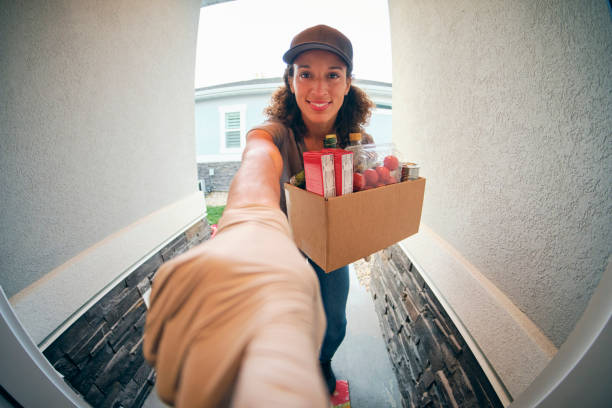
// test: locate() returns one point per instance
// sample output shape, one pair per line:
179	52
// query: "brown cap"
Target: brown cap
321	37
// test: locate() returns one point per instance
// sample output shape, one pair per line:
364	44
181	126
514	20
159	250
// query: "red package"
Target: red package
319	173
343	170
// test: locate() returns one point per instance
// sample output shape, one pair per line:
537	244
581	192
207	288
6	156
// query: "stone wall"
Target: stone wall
221	180
433	364
100	355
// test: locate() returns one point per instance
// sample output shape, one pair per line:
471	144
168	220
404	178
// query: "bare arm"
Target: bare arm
257	180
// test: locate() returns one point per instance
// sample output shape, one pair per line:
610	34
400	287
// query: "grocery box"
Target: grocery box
336	231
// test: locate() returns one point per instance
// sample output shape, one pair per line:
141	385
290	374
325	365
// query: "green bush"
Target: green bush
213	213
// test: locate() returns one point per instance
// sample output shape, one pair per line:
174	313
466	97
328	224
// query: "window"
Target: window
232	125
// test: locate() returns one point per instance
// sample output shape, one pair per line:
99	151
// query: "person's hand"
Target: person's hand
257	180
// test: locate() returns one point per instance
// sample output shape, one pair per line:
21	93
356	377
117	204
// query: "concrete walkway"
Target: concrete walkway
362	358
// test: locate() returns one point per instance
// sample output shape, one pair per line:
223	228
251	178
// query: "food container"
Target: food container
410	171
319	173
343	170
375	165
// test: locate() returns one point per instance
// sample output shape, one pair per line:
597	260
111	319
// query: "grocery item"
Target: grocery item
410	171
343	170
371	177
298	180
391	162
330	141
378	163
319	173
358	167
383	172
359	181
354	139
355	146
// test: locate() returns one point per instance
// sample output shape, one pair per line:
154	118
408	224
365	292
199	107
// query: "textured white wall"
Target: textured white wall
96	116
507	107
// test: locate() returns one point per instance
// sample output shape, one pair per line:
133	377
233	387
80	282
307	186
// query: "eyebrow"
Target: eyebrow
332	67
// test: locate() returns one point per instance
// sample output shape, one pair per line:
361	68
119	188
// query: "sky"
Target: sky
246	39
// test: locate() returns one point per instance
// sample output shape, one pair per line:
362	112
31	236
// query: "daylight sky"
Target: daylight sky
245	39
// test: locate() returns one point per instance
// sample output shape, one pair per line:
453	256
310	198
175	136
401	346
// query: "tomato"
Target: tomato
371	177
390	180
391	162
383	172
359	181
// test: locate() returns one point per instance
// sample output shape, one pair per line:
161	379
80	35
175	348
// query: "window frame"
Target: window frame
241	109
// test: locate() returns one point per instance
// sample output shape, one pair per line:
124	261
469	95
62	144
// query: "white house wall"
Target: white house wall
208	126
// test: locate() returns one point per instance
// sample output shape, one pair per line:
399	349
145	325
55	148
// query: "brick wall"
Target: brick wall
433	364
221	180
100	355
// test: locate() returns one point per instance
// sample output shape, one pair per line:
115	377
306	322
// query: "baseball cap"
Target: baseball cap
321	37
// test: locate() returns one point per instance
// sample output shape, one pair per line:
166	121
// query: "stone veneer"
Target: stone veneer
433	364
100	354
221	180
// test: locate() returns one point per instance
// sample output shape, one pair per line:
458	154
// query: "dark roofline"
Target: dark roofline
280	80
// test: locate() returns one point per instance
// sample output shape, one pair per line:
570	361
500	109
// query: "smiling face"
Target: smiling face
319	84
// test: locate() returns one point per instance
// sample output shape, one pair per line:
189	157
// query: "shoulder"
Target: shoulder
274	128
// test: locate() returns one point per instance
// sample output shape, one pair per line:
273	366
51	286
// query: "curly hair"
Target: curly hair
354	113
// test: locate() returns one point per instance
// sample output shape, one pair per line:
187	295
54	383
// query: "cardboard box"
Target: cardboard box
336	231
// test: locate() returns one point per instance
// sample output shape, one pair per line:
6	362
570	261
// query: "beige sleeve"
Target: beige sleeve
238	321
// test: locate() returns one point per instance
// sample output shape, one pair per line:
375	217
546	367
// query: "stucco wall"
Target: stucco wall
96	115
507	106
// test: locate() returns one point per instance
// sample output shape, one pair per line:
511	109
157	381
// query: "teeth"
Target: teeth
319	105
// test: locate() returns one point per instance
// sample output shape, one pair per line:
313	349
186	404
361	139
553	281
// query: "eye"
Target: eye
334	75
304	74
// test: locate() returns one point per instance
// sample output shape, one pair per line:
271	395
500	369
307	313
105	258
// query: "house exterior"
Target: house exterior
505	104
225	113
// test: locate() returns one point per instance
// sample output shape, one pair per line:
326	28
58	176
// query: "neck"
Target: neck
317	132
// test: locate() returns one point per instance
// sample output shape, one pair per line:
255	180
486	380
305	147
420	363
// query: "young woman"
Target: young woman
318	98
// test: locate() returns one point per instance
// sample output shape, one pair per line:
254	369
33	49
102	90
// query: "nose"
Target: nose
320	86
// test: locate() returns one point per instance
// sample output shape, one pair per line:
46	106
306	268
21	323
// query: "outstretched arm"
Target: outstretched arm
240	318
257	180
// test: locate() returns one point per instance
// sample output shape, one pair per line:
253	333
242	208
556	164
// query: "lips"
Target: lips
319	105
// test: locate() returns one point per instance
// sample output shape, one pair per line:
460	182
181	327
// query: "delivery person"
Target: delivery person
239	320
317	99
